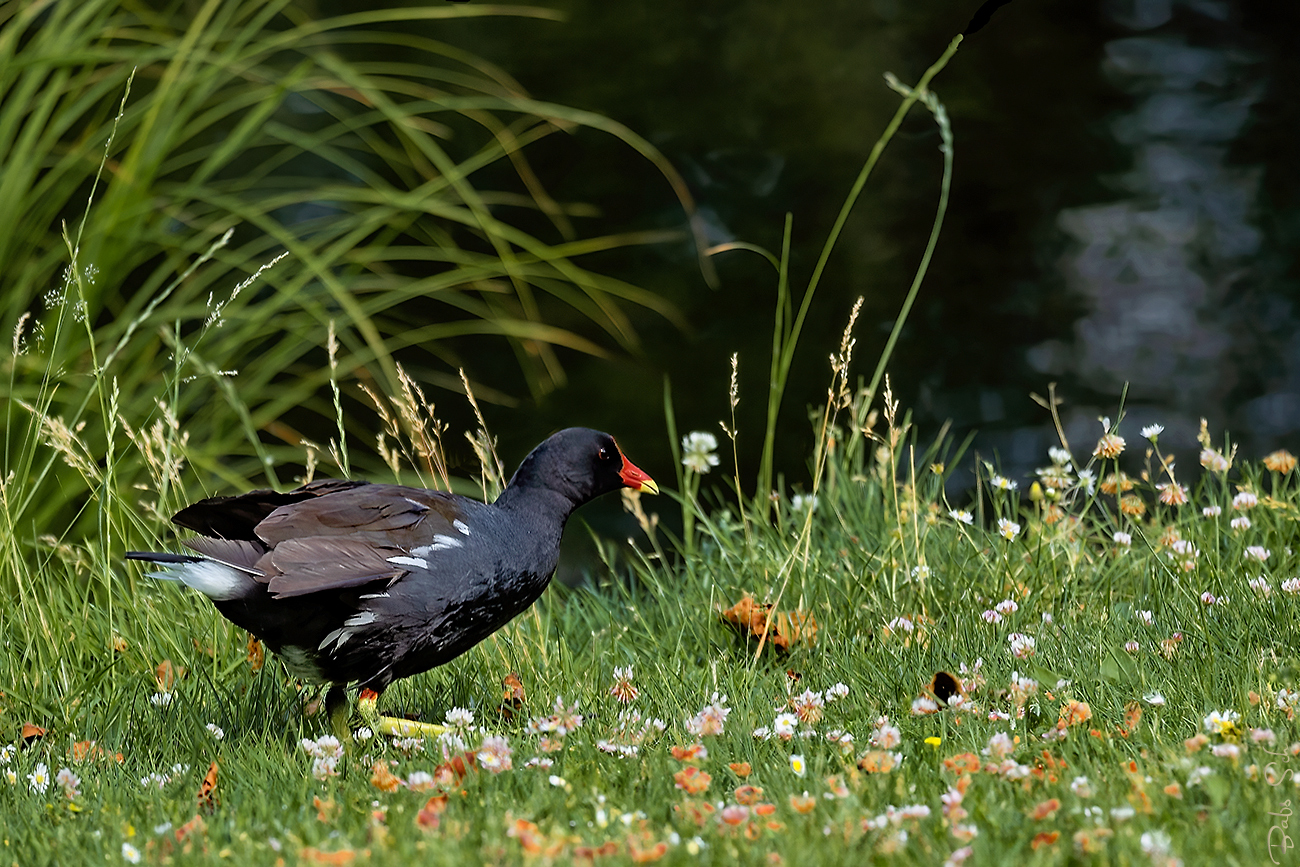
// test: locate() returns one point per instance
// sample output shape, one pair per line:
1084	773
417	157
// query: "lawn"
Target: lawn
1050	676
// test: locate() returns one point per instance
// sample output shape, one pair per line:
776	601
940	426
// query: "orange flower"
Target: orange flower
741	769
1174	790
1075	712
803	804
326	811
689	754
1092	842
764	809
1132	505
1044	838
1280	461
1116	483
1045	809
879	762
692	780
748	794
1195	742
697	811
383	779
962	763
645	856
316	856
1109	446
530	838
734	814
430	815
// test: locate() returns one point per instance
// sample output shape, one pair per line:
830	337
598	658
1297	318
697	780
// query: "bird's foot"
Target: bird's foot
367	700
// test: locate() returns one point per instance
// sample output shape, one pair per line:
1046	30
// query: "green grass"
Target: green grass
875	521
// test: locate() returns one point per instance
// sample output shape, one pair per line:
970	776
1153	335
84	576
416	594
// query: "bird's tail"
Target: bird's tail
216	580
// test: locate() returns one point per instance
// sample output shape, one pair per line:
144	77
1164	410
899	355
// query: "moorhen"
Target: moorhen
350	581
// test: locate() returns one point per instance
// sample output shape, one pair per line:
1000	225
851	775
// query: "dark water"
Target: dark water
1125	208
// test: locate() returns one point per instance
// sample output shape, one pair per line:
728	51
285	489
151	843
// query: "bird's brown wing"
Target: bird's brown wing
354	536
236	517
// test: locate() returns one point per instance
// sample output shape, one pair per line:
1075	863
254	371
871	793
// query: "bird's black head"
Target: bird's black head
580	464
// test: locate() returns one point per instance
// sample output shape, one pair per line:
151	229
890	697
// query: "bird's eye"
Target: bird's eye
604	453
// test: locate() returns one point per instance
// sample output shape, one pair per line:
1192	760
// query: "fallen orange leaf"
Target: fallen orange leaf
207	797
256	653
786	629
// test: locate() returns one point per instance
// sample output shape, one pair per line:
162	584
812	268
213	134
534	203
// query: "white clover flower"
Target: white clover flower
1214	461
1212	511
1007	606
1122	539
1157	845
460	718
1059	456
1154	699
215	731
1245	500
1146	617
494	754
799	502
698	449
68	780
1291	585
1261	586
1081	787
1087	480
1241	522
1258	553
991	616
837	692
1022	646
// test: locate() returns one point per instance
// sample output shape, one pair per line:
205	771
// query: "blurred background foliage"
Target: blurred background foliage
442	217
356	142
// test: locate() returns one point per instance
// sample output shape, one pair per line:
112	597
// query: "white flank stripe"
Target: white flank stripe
461	526
416	562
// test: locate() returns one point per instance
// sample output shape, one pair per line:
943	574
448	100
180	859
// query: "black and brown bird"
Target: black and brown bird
354	582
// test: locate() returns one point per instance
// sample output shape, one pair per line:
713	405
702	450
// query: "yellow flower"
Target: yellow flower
933	741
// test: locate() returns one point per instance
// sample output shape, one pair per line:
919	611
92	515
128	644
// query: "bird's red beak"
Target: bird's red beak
635	478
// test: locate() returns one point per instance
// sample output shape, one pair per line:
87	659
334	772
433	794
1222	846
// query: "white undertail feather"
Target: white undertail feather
217	581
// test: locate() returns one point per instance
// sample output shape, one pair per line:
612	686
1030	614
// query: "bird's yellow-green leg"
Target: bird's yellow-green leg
336	711
387	725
